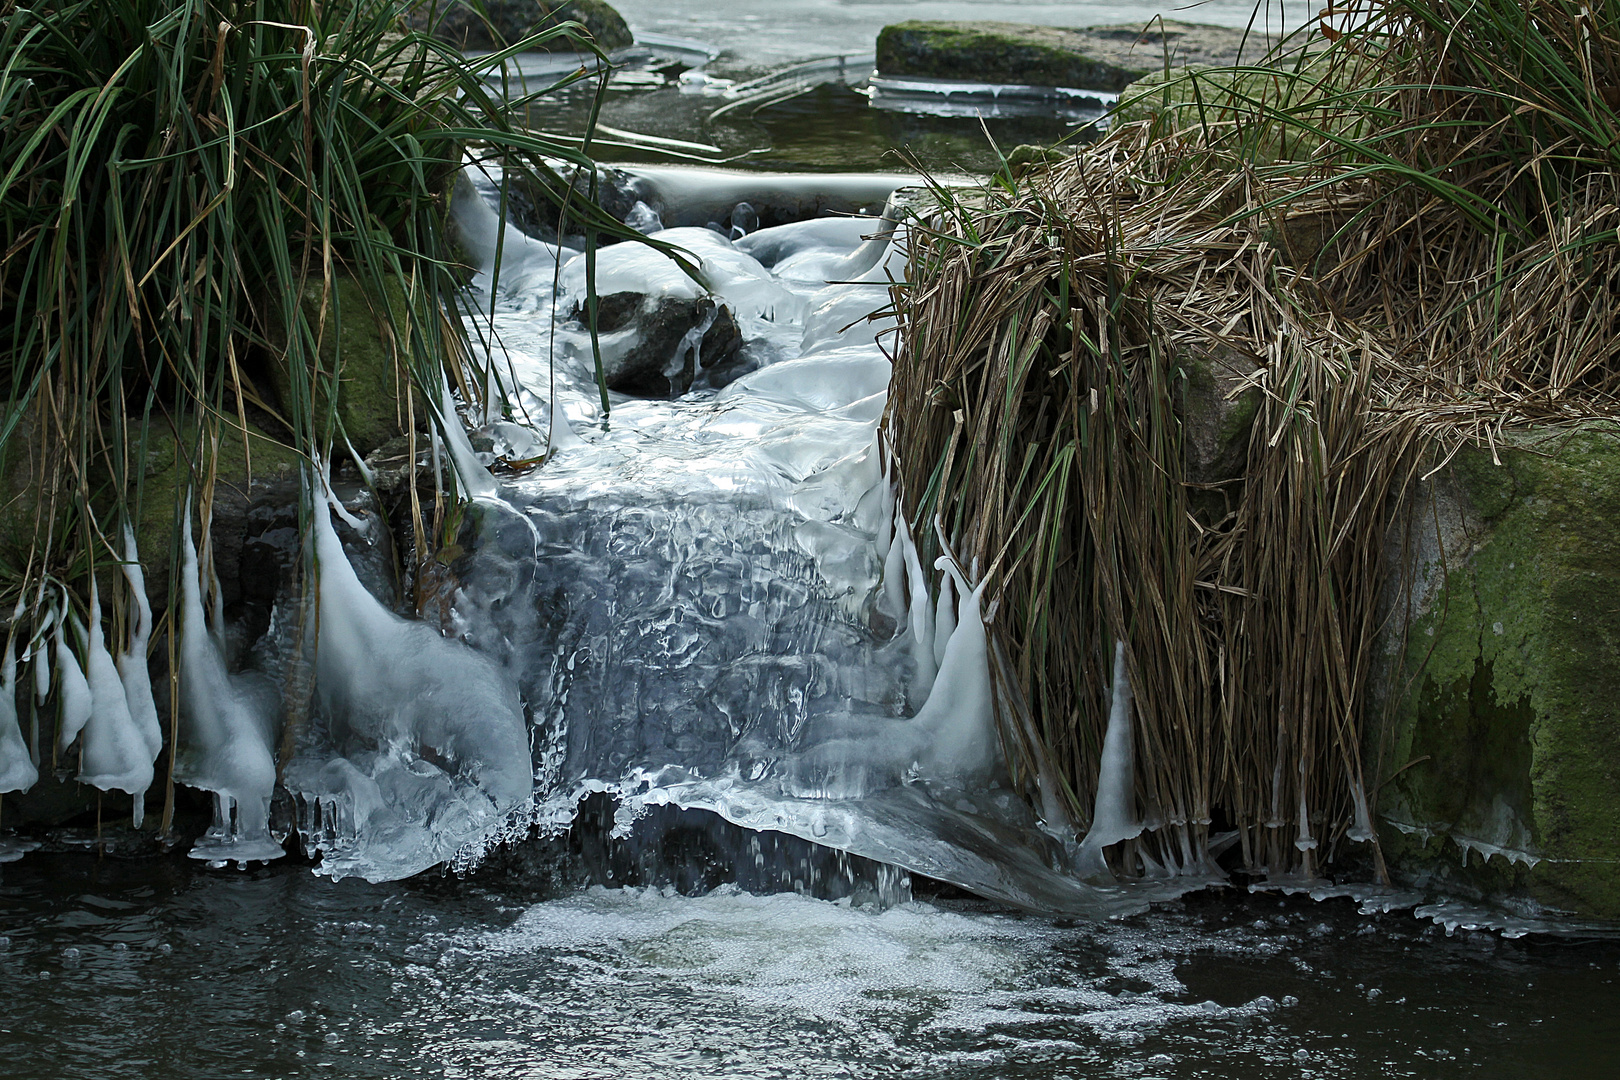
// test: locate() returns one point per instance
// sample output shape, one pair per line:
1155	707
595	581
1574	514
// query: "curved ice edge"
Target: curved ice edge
916	85
906	827
1445	912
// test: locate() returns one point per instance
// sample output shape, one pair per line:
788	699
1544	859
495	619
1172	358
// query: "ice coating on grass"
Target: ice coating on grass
132	669
920	609
426	748
1113	815
17	769
227	735
72	687
473	479
944	618
114	754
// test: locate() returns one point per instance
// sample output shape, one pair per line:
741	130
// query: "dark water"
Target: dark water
831	128
165	968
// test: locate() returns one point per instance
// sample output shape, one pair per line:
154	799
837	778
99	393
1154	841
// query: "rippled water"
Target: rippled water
137	969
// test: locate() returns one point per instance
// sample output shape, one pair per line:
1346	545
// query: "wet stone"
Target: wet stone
668	341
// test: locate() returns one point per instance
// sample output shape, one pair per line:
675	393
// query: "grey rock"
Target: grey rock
653	356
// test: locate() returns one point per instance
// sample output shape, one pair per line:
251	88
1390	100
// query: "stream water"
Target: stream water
771	833
118	970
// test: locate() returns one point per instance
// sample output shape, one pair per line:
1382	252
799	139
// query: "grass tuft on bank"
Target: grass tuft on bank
196	198
1167	390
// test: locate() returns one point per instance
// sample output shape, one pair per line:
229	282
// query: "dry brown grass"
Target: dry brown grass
1447	280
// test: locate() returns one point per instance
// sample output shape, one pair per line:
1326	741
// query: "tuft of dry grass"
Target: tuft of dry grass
1433	258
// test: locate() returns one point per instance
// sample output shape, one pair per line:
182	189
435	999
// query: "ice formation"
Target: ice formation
132	669
702	626
227	740
427	748
73	688
114	754
1113	815
18	770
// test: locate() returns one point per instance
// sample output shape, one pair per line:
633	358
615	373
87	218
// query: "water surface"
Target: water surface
118	969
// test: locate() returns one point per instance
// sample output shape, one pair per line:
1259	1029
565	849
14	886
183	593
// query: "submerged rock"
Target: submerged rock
510	21
1104	58
1499	748
663	341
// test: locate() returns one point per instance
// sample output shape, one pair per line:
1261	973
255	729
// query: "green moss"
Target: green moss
357	346
1517	708
168	479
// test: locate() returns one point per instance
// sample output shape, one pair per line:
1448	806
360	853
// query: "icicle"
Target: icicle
1276	820
892	600
75	689
474	479
40	653
228	744
922	616
959	712
944	619
113	755
1305	841
1113	816
1362	830
885	536
132	667
18	771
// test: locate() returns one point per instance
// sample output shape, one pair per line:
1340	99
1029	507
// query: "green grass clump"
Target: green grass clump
200	201
183	186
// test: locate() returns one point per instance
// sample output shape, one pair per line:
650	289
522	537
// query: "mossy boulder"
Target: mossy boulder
358	344
250	465
458	23
1496	722
1103	58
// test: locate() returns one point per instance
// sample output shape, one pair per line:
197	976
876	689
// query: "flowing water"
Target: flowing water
704	659
123	970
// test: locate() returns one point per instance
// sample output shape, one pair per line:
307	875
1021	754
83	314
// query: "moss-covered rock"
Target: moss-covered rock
1103	58
357	344
1501	702
510	21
